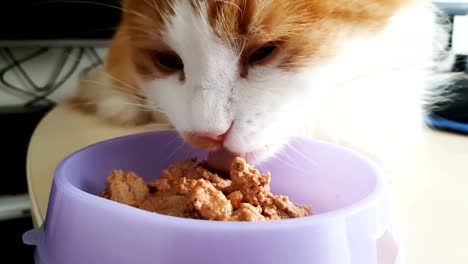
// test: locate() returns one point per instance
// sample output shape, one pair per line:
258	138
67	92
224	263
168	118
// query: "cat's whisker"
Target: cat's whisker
116	88
130	87
230	3
98	4
301	154
259	166
141	108
176	136
124	92
145	31
154	6
175	150
299	168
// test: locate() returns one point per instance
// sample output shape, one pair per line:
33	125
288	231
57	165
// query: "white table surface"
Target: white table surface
432	204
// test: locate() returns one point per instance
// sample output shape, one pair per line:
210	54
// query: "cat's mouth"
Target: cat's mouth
220	157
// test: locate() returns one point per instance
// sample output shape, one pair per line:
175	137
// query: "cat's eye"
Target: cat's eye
261	54
168	61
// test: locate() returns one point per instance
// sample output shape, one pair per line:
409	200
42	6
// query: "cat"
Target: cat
246	75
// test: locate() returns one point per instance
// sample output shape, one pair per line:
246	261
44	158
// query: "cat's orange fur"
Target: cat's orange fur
243	24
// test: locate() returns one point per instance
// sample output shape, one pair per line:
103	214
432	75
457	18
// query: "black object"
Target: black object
58	20
460	63
452	115
13	248
17	125
457	108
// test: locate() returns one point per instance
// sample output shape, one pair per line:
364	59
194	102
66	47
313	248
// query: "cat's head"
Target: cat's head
240	73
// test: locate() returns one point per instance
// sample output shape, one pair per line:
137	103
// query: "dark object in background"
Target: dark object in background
26	22
457	109
453	115
13	249
460	63
17	126
83	24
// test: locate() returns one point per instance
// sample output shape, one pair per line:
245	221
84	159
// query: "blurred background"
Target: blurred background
44	46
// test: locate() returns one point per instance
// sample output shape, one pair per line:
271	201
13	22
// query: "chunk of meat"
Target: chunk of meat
187	189
126	188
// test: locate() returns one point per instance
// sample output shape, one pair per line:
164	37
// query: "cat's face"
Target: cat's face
243	69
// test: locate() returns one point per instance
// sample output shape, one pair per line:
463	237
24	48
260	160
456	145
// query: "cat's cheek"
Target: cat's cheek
167	98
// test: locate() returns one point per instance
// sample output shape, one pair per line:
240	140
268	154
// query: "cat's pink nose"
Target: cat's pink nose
208	136
205	140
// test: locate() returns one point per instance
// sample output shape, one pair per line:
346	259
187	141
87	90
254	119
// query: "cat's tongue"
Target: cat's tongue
221	160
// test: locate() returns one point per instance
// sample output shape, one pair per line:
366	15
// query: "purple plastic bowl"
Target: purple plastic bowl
345	190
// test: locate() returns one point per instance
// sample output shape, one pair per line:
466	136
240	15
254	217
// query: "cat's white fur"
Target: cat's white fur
368	98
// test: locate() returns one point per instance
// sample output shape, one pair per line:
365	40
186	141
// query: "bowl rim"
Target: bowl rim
375	194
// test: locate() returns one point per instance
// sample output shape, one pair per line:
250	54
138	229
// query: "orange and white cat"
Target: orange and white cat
246	75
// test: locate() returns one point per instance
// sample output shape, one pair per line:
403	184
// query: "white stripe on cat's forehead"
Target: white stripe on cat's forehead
202	52
185	25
